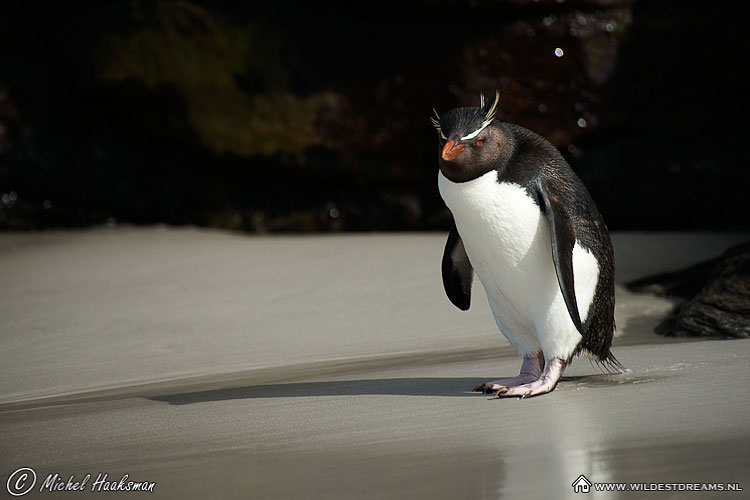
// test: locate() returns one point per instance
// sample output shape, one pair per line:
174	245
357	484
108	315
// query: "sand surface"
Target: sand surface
221	365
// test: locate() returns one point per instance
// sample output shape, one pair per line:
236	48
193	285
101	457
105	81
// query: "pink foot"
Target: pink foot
531	369
544	384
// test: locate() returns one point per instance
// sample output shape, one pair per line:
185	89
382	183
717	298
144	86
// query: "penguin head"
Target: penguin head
470	140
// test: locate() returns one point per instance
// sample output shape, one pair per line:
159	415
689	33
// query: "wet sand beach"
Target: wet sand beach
220	365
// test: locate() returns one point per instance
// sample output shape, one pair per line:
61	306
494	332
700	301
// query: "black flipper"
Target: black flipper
457	271
563	236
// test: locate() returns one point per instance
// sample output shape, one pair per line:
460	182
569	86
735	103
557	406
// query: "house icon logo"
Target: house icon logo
581	485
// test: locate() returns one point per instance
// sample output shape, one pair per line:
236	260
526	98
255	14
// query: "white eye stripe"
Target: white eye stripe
475	133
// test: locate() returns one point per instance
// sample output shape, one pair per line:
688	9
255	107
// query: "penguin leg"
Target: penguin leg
531	369
544	384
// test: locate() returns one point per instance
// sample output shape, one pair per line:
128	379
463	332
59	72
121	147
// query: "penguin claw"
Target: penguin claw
544	384
500	392
531	369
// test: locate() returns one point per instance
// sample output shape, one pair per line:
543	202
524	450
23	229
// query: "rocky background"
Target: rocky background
313	116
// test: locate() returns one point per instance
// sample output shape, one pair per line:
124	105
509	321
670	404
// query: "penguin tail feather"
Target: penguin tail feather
610	364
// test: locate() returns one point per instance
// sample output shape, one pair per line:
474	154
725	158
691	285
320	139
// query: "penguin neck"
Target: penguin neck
507	147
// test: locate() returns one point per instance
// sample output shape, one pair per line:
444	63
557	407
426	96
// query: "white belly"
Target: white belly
506	237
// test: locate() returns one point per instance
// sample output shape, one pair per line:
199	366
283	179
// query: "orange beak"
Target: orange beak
451	150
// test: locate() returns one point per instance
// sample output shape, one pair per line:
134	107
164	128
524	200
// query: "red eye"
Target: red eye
479	143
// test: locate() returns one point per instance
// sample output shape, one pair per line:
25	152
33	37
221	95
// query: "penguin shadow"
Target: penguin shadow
434	386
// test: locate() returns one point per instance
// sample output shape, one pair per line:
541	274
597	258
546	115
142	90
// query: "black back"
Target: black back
536	164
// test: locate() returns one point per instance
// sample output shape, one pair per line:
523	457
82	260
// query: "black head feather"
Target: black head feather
462	122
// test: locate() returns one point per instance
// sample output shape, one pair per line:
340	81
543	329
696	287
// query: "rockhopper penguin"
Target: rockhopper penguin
525	223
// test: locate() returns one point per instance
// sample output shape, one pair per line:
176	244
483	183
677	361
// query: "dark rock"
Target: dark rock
272	116
718	293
